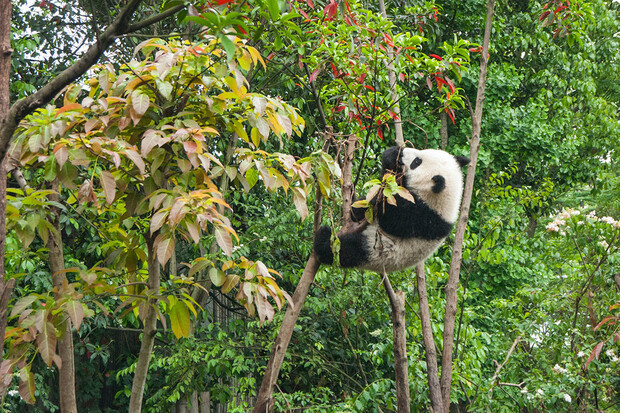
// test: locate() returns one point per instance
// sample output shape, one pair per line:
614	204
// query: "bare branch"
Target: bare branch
457	252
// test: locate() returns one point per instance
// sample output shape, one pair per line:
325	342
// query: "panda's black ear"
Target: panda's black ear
462	160
391	159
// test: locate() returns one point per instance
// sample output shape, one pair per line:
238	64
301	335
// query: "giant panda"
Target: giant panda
407	233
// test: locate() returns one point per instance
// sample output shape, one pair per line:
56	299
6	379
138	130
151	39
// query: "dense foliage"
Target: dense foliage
205	153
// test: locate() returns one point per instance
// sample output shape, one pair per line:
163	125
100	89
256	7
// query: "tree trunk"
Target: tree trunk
148	335
6	286
66	379
443	129
457	252
429	343
264	400
399	329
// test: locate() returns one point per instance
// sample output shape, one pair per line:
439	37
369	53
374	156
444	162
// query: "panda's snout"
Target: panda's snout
439	183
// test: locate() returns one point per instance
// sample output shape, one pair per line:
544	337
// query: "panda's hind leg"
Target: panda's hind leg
323	246
353	248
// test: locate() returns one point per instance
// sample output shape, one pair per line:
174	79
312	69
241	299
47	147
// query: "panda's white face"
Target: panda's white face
436	177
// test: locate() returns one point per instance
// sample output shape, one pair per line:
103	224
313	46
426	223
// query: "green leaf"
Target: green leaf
229	46
274	9
217	276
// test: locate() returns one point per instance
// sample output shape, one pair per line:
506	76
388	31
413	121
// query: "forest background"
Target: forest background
168	164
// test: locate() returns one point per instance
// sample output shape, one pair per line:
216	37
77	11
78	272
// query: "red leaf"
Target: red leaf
429	83
595	353
334	69
435	56
450	112
603	321
380	132
190	147
542	16
401	76
330	10
450	85
314	74
309	2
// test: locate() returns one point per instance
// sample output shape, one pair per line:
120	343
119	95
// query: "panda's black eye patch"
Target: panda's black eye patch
416	162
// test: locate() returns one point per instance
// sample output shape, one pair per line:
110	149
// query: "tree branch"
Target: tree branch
399	329
457	252
429	343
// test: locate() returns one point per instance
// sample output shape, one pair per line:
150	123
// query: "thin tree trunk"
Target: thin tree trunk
443	129
264	401
66	379
399	329
429	343
148	335
398	126
457	252
6	286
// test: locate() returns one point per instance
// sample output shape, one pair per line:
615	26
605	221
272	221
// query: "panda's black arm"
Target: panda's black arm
408	220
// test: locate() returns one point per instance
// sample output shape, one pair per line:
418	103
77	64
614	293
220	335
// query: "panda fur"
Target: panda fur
404	234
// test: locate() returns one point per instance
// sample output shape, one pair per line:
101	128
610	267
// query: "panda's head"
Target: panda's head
433	175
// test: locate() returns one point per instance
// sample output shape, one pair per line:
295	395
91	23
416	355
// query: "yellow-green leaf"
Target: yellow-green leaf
179	319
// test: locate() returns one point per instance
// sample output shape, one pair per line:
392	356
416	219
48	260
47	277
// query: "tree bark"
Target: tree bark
443	129
66	373
6	286
148	334
457	252
429	343
399	329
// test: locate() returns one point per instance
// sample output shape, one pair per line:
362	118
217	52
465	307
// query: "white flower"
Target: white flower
608	220
540	392
558	369
581	354
603	244
567	398
552	226
610	353
524	390
13	393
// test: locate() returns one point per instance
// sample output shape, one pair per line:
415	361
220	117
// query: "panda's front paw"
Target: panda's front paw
322	245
